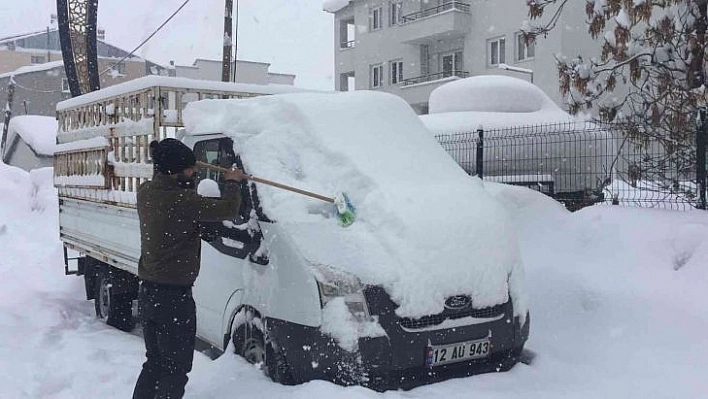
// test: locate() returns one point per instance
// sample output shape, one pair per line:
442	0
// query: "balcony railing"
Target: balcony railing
435	76
453	5
349	44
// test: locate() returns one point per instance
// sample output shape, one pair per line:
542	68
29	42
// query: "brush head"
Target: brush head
345	209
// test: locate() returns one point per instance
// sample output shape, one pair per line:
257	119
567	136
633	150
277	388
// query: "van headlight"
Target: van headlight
334	283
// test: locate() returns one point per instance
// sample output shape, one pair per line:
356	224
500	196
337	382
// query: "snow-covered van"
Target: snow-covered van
427	283
529	140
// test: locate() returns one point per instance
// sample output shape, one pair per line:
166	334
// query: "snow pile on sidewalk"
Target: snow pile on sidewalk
421	219
51	345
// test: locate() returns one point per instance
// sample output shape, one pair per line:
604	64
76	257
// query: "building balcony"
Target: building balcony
447	20
435	76
347	45
417	90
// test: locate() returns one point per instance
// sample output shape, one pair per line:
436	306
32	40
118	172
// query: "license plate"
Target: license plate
438	355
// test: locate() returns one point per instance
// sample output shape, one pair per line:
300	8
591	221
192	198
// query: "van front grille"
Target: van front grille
437	319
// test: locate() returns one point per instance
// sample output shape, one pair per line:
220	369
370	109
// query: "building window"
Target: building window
394	13
37	59
497	51
376	76
65	85
424	59
119	68
396	71
524	51
375	20
347	33
451	63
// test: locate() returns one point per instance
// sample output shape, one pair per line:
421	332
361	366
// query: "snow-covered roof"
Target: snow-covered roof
165	81
21	36
39	132
334	5
34	68
490	102
425	229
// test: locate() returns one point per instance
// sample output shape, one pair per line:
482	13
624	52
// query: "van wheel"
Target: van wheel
114	309
250	343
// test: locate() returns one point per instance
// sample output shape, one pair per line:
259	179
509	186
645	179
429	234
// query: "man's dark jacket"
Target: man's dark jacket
169	227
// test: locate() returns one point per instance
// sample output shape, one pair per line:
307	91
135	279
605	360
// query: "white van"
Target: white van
426	284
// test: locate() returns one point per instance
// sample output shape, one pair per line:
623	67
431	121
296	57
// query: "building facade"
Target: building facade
246	72
411	47
34	62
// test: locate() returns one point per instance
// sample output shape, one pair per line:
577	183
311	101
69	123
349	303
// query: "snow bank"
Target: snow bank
425	230
334	5
39	132
490	102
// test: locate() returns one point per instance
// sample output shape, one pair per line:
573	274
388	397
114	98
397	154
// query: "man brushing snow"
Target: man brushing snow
170	209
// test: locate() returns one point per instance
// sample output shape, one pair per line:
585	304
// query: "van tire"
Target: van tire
116	310
250	343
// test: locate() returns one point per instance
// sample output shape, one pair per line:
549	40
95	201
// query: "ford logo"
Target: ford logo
458	302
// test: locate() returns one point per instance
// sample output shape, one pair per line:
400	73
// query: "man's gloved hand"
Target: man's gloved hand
234	174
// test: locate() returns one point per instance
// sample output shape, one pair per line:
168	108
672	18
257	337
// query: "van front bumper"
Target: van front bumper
397	360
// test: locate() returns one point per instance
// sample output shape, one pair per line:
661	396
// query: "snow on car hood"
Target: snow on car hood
425	230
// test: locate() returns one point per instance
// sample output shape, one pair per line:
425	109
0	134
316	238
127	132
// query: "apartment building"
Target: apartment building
411	47
246	72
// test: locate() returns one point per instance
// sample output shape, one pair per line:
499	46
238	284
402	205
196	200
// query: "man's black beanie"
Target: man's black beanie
171	156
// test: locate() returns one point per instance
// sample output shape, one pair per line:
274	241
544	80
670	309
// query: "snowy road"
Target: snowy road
611	315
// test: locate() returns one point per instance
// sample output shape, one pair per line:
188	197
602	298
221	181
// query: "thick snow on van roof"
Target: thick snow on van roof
425	230
490	102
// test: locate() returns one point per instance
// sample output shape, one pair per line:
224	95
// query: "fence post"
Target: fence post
7	116
701	138
479	170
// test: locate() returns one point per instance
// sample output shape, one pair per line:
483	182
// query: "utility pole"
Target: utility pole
226	59
233	72
8	115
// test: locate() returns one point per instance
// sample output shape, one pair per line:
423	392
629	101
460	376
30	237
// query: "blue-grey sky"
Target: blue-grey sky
295	36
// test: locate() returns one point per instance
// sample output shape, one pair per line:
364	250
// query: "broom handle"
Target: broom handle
268	182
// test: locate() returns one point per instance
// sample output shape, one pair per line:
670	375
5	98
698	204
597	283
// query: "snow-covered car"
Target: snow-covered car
426	284
529	140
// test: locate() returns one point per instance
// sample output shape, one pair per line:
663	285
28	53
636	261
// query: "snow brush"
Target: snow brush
344	207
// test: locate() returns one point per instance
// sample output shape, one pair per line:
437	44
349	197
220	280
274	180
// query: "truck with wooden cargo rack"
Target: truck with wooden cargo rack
290	293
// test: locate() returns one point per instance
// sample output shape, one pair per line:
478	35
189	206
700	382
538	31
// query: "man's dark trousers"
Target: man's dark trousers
169	321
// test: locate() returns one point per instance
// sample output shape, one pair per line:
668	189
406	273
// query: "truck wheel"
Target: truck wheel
114	309
249	342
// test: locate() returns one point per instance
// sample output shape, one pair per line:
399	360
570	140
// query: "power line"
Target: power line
148	38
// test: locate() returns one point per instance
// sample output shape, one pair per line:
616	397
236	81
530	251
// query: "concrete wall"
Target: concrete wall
11	60
246	72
